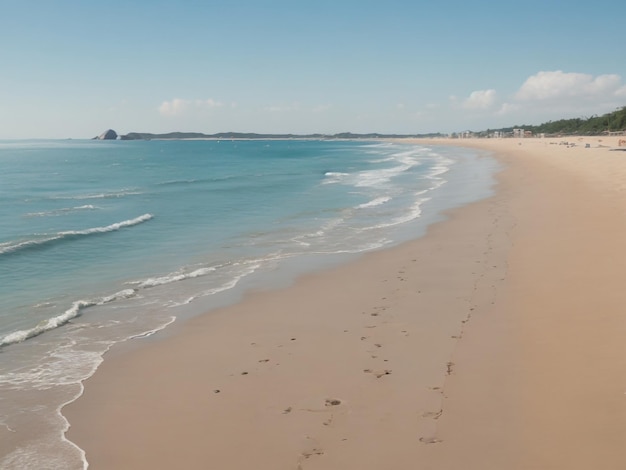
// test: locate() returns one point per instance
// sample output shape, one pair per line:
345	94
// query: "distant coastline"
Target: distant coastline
255	136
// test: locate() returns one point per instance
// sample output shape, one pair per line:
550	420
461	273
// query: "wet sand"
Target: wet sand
495	341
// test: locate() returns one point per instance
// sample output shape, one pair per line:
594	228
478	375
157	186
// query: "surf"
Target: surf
12	247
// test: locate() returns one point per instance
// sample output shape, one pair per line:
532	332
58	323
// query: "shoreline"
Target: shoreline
374	364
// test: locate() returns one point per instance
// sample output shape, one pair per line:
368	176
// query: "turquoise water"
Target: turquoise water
104	241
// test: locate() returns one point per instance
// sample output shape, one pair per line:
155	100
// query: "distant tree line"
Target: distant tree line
594	125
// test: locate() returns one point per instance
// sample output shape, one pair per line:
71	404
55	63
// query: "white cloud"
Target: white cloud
544	96
179	106
508	108
558	85
173	107
480	99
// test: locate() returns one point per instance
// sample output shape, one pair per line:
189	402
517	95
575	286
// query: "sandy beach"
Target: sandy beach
496	341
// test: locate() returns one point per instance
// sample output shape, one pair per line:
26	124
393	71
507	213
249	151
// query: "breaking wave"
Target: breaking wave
174	277
51	323
34	243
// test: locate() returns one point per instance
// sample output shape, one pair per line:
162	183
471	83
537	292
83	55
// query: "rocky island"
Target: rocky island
109	134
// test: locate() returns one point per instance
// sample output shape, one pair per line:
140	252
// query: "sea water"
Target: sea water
109	241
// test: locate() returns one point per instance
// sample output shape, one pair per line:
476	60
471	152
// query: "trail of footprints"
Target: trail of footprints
375	348
330	406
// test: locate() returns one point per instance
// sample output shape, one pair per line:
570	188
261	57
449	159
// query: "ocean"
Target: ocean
103	242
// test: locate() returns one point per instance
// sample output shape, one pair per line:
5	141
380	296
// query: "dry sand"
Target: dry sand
497	341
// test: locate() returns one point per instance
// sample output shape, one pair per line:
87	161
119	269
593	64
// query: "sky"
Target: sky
73	69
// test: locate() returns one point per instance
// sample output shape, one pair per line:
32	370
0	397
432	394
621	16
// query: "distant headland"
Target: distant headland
112	135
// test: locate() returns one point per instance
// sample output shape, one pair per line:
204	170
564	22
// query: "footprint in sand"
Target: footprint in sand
307	455
311	449
378	374
432	414
430	440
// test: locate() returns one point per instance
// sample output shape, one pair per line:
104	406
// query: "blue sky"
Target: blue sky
77	68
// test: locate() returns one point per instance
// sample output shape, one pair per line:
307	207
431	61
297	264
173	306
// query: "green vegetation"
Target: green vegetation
595	125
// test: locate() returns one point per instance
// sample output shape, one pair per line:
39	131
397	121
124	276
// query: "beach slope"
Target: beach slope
495	341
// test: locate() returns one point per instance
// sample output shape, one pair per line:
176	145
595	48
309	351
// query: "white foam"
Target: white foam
230	284
155	330
13	246
405	160
333	177
379	177
323	230
121	295
374	202
60	320
414	212
109	228
234	281
173	277
10	247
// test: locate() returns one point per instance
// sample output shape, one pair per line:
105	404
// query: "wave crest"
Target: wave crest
66	210
51	323
15	246
174	277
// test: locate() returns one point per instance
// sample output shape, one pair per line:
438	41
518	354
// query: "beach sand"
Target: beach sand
496	341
